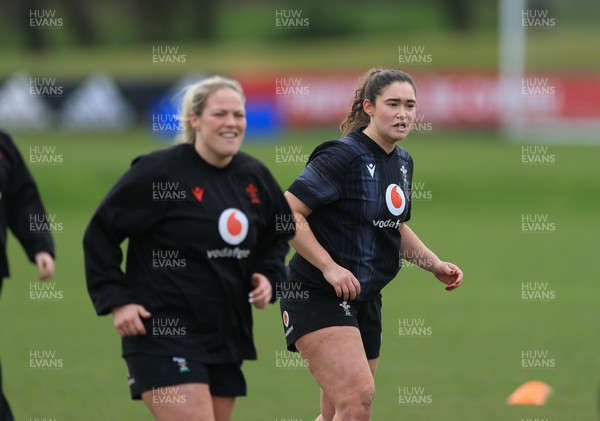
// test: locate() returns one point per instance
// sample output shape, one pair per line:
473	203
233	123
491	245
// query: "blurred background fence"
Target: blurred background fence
114	65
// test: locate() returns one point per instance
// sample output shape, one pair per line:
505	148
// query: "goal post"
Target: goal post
539	109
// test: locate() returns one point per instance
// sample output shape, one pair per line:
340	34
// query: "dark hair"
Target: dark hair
371	85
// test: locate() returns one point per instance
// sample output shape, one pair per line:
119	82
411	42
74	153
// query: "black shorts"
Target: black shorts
147	372
306	309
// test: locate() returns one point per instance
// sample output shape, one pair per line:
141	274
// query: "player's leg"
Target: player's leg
339	364
173	388
223	407
226	383
373	366
182	402
327	408
369	322
5	413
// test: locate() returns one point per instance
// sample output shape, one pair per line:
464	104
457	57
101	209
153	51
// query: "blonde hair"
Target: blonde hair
194	101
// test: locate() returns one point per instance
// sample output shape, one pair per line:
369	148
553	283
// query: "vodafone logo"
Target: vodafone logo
233	226
286	319
395	199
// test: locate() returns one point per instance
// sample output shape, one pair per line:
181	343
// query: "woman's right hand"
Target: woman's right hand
343	281
128	319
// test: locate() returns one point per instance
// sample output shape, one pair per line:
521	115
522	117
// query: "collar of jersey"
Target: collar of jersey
371	145
199	160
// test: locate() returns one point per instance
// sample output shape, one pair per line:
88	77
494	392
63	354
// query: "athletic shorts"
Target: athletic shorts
150	372
305	309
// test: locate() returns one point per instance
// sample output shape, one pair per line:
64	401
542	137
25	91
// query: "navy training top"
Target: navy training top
360	196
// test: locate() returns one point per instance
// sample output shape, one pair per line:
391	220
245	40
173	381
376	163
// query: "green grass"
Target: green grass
469	365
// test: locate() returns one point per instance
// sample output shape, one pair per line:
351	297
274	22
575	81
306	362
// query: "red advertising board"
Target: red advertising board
449	100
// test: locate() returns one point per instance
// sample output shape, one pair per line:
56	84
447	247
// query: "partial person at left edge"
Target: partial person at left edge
19	200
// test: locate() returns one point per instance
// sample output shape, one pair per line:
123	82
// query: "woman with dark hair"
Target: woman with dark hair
204	245
351	205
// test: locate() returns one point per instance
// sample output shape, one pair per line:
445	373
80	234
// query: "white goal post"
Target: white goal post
519	120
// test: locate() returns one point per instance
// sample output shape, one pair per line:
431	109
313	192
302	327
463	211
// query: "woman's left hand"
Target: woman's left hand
45	265
448	273
262	292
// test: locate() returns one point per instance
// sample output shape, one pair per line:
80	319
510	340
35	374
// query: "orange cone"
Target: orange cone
533	392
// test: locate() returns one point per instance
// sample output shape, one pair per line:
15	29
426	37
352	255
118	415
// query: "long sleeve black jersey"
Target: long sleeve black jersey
20	206
196	234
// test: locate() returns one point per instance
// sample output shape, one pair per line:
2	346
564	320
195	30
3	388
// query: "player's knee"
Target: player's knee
187	411
358	402
326	414
365	399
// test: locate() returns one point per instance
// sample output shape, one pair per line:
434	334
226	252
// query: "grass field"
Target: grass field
547	52
470	362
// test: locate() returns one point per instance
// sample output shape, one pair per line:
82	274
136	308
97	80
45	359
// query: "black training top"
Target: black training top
360	196
21	208
196	234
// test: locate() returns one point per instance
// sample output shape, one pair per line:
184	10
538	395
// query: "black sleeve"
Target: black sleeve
127	210
410	179
272	246
25	203
322	181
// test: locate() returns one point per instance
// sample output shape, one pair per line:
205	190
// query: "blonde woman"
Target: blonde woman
203	247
